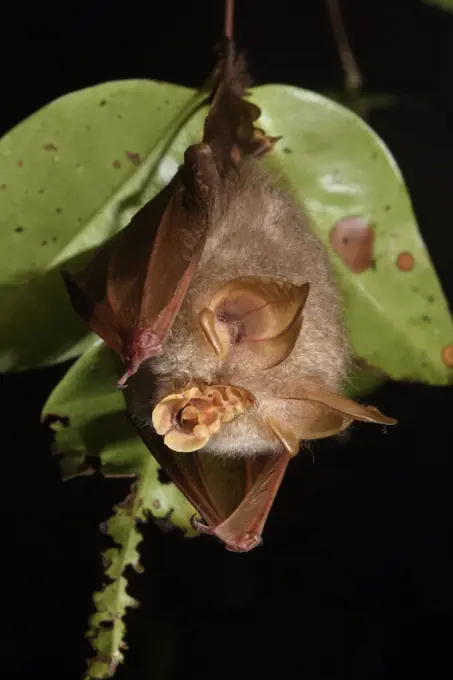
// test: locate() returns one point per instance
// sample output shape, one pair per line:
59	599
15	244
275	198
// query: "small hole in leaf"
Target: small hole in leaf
431	298
102	102
286	149
53	418
59	210
19	230
43	243
163	477
426	318
164	523
106	625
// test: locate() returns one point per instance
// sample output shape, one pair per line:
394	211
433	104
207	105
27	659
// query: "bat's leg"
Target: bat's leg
247	541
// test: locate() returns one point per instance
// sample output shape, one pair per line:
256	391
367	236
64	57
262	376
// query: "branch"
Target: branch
353	77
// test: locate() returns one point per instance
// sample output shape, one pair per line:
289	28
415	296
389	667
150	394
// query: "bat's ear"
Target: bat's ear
317	413
257	313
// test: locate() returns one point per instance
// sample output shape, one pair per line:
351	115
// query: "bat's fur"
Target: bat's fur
256	230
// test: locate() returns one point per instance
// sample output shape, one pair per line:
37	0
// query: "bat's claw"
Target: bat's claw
245	543
200	525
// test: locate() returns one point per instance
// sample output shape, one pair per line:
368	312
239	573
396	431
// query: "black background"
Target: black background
354	574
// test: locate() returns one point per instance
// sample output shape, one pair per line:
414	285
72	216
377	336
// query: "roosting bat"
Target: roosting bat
220	302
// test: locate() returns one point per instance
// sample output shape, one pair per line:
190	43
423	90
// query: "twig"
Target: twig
352	75
229	14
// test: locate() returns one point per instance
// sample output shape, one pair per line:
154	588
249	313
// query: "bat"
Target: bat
220	302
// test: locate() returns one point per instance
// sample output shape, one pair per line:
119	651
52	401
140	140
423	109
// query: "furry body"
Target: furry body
256	230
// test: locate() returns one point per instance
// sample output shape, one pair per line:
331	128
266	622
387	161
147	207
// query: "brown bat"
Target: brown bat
220	301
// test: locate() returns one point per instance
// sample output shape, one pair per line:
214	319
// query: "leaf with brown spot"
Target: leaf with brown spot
405	262
352	239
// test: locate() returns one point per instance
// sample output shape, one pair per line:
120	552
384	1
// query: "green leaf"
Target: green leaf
88	416
71	175
442	4
89	419
399	321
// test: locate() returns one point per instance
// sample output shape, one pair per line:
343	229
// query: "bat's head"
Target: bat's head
259	378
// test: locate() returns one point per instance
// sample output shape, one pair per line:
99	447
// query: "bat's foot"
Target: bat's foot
244	543
200	525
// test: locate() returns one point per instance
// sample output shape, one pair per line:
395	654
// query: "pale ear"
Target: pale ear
317	413
367	414
261	312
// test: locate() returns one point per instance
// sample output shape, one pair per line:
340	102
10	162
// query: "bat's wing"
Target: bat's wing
233	496
133	287
241	530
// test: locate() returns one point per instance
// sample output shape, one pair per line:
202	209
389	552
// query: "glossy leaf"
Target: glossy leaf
71	175
89	419
398	319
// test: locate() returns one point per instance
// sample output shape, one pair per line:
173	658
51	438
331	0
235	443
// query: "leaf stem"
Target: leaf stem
229	16
352	75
